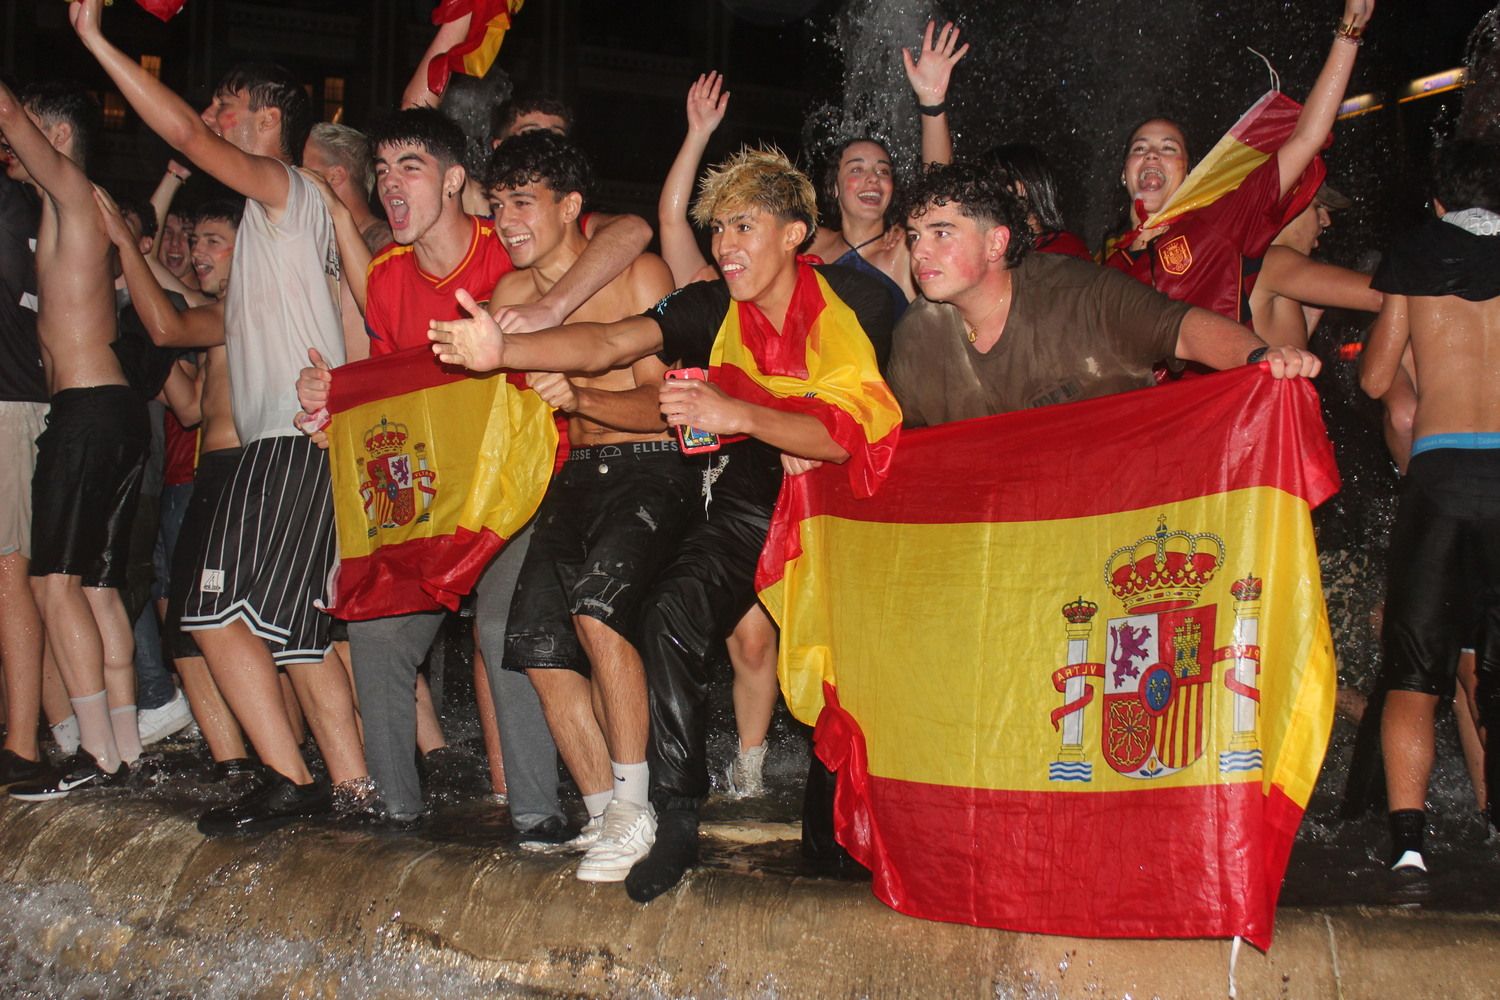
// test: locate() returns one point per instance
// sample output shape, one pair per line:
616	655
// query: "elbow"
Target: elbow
1373	383
635	230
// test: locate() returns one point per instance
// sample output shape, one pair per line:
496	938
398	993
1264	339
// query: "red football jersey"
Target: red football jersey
400	297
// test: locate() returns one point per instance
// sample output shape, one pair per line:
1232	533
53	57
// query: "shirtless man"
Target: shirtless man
90	457
255	610
609	521
219	446
1442	297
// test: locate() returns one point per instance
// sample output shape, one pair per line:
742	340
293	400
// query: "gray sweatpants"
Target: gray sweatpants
387	653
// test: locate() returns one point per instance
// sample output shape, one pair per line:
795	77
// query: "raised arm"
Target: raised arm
62	179
679	248
1380	362
1322	104
929	76
477	344
354	252
614	242
201	326
169	116
171	182
449	34
1299	277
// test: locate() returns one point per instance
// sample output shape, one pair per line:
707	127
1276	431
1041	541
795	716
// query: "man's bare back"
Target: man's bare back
639	287
1456	346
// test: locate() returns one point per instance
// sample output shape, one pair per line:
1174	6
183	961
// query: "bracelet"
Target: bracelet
181	177
932	110
1349	32
1256	356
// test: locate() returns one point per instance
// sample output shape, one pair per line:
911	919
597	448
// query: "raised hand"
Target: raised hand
929	74
705	104
1357	12
475	342
84	16
330	199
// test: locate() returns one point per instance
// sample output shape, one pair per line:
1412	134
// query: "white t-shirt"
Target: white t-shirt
283	299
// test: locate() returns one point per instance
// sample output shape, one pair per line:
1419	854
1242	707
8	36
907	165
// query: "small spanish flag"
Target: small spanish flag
1072	665
433	470
163	9
489	20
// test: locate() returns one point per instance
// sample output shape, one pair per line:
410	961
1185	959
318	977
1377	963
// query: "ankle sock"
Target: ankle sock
66	735
596	801
632	782
123	721
95	732
1408	829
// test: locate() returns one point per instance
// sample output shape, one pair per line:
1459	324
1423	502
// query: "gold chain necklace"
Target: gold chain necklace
972	332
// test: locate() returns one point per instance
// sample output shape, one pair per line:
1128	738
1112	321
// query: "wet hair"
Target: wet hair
760	178
267	85
525	104
428	128
1026	165
539	156
1466	174
982	192
187	216
55	101
831	179
220	210
142	211
347	147
470	102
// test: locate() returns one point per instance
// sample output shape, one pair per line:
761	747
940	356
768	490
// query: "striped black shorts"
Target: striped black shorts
270	551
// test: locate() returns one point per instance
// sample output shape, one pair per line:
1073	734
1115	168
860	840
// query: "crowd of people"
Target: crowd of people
141	335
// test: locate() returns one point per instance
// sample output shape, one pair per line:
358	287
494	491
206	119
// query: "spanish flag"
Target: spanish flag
489	20
1072	665
1252	140
433	469
820	363
163	10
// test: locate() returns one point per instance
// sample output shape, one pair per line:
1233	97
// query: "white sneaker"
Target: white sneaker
745	775
1410	860
625	837
587	838
157	724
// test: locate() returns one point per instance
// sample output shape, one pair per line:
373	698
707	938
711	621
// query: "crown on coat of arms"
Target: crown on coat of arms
385	438
1163	570
1079	612
1247	589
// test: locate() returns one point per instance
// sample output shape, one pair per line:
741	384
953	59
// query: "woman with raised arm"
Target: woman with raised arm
1205	256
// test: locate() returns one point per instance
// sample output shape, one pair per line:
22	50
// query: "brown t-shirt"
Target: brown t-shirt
1075	331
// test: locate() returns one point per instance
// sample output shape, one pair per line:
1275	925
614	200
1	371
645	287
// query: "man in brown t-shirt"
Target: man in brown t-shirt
997	329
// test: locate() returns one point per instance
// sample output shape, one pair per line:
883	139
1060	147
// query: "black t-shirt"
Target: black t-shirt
21	376
145	365
691	316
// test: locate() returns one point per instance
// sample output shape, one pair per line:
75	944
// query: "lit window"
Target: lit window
152	65
114	111
333	98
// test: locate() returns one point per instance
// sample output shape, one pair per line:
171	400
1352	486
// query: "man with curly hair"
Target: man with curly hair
1000	329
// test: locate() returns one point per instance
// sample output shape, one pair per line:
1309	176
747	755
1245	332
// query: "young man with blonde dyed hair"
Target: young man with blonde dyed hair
775	404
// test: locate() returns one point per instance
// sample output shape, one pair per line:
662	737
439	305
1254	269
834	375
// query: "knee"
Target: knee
752	654
595	636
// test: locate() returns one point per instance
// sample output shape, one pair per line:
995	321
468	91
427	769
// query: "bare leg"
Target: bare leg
246	675
346	657
429	729
21	642
488	726
1470	735
293	708
215	720
328	703
117	641
1406	738
568	706
752	652
620	680
75	641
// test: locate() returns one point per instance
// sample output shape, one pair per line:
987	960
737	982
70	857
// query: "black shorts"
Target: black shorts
89	464
212	476
270	551
609	523
1444	576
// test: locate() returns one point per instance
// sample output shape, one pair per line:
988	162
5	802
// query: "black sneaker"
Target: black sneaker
81	773
273	804
237	771
14	768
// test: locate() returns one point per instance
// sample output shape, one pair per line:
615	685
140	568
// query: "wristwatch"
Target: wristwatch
1257	356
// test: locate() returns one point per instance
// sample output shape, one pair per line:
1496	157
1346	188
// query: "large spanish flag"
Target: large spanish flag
433	469
1072	665
1252	140
821	363
489	20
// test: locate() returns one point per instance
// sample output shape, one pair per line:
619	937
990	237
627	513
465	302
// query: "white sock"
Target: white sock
96	732
127	732
632	782
596	802
66	735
